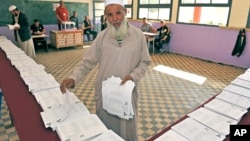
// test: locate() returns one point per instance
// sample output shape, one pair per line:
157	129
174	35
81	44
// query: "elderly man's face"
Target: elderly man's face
115	14
14	12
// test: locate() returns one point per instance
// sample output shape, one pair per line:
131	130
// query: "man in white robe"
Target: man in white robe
121	51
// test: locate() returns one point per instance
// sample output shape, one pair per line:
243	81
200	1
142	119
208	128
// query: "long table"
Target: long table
244	121
23	108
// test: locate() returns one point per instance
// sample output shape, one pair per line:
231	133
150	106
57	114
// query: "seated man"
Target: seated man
74	19
87	28
103	22
38	29
164	36
147	27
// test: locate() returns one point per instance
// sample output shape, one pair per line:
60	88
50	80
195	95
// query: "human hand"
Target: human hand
126	78
67	84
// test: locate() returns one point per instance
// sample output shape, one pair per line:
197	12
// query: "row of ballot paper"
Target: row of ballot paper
63	113
212	121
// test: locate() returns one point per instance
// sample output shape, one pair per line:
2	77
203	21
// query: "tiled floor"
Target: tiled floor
163	98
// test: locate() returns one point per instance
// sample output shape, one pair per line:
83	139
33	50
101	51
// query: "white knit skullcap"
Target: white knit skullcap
119	2
12	7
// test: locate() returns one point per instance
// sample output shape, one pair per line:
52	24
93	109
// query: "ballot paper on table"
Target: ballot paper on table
234	98
117	97
238	90
213	120
66	112
195	131
226	109
171	135
53	98
245	76
81	129
109	135
241	82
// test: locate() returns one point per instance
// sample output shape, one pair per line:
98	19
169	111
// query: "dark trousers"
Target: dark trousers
159	43
94	33
40	42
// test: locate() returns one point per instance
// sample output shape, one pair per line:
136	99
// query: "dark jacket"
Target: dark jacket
24	31
240	43
164	31
87	24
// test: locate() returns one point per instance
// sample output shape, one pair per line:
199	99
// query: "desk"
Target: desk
150	37
23	108
41	38
66	38
244	121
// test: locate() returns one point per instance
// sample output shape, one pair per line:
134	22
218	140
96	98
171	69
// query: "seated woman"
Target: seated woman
37	29
164	36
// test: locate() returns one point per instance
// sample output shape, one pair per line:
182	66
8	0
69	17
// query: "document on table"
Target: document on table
53	98
225	108
66	112
241	82
238	90
215	121
171	135
81	128
117	97
109	135
234	98
195	131
245	76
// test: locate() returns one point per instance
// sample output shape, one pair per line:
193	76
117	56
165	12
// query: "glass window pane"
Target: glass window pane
153	1
214	15
144	1
153	13
187	1
165	2
220	1
143	12
129	12
186	14
164	13
99	12
128	2
207	15
99	5
202	1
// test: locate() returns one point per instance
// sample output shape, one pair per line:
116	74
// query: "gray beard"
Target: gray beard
118	33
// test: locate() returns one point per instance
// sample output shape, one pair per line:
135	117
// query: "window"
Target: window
154	9
128	6
208	12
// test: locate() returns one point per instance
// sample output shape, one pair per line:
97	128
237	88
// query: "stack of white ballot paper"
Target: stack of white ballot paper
227	109
234	98
215	121
53	98
117	97
12	27
84	128
69	110
108	136
195	131
171	135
